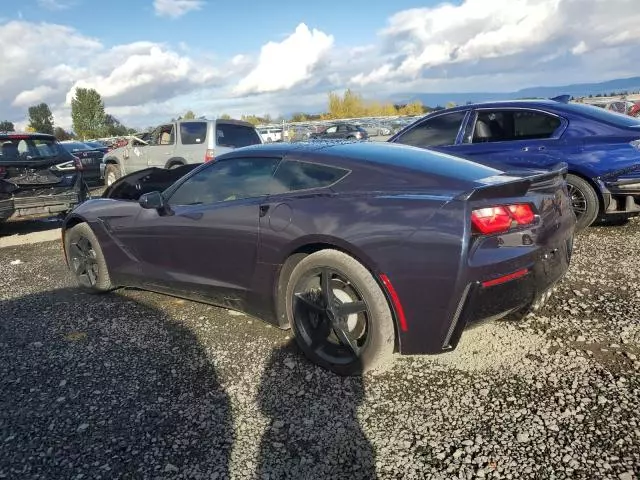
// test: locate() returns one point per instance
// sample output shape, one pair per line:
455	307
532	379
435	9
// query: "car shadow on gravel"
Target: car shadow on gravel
106	387
314	430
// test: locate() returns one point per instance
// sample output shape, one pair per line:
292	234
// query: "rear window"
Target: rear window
235	136
617	119
21	148
292	175
193	133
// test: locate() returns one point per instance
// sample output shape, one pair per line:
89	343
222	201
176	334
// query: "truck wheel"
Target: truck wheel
111	174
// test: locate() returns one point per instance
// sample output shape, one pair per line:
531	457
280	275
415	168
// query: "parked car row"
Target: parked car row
625	107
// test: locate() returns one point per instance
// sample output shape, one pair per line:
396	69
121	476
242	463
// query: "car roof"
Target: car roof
22	135
368	153
529	103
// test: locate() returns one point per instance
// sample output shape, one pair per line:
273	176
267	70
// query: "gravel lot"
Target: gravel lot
137	385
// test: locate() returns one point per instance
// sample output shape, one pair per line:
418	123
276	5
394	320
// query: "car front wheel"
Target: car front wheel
85	259
111	174
339	314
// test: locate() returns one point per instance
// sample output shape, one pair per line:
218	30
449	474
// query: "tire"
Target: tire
111	174
86	260
351	138
320	332
175	165
584	201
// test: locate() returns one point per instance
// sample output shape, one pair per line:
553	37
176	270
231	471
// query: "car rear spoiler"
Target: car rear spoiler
510	185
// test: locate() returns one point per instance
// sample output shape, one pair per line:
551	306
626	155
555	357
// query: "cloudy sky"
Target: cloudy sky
154	59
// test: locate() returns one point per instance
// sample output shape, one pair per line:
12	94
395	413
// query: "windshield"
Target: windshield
608	116
27	148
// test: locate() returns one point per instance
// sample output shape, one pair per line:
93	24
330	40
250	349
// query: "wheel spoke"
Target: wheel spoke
75	251
309	303
346	340
351	308
84	245
91	274
325	286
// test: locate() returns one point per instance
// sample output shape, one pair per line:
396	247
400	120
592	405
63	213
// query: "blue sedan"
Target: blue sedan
602	148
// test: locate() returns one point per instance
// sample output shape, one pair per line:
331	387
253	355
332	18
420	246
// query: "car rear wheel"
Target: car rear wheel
339	314
86	260
584	201
111	174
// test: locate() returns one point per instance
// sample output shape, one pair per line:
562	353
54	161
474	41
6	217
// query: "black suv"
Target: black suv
38	178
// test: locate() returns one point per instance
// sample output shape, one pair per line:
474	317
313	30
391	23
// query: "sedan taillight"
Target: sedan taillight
209	155
501	218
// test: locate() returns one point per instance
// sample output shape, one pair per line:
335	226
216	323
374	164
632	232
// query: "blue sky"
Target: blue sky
239	26
154	59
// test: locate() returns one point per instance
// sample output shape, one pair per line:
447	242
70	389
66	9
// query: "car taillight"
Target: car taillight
501	218
78	164
358	135
209	155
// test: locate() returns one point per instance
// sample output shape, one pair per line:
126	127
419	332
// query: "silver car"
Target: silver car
178	143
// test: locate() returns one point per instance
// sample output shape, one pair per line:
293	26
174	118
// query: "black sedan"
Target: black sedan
90	158
362	249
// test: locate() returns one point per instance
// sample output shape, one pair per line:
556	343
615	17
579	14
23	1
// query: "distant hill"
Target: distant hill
577	90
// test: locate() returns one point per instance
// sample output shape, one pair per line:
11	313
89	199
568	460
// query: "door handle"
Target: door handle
263	210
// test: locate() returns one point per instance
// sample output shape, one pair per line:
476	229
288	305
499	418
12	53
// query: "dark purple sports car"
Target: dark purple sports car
362	249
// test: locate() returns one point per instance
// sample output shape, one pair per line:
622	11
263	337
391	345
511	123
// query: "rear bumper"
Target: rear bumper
39	205
527	284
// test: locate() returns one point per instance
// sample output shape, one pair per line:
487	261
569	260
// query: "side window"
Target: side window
193	133
333	129
293	175
235	136
227	180
343	128
512	125
434	132
534	125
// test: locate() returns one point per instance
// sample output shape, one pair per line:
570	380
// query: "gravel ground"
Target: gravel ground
137	385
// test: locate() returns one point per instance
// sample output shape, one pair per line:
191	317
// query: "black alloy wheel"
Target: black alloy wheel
578	201
84	262
339	314
331	316
584	201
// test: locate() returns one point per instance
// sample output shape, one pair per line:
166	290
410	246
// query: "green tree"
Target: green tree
61	134
113	127
189	115
7	126
225	116
41	118
87	113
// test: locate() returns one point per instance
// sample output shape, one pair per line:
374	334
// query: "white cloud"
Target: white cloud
420	40
284	64
147	75
130	74
463	45
176	8
33	96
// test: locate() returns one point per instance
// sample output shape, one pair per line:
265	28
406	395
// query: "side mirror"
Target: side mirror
152	200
